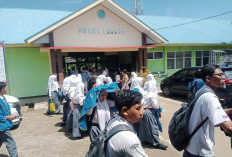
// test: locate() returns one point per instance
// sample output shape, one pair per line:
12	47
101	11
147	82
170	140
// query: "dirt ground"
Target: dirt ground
41	135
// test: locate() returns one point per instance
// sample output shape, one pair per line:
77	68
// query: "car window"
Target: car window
181	74
191	72
228	74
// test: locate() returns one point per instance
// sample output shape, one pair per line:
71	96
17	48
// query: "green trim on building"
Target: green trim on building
28	71
157	65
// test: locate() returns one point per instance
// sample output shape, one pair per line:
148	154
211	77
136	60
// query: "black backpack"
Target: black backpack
98	145
178	126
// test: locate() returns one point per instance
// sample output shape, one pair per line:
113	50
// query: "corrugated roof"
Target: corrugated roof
19	24
207	31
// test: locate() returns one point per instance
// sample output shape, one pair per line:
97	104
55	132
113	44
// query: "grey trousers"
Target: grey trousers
65	108
7	139
187	154
76	116
56	101
69	118
147	129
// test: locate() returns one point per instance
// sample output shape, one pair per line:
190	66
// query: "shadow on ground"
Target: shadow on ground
3	155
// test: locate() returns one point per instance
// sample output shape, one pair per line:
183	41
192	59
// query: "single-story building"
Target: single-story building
102	34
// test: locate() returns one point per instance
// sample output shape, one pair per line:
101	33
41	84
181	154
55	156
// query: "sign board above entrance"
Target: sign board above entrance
2	62
88	30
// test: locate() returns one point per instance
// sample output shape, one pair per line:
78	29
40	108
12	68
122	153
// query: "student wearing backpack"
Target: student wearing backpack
126	143
207	107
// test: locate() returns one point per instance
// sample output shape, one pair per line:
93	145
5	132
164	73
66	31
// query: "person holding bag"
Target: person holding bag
53	89
6	123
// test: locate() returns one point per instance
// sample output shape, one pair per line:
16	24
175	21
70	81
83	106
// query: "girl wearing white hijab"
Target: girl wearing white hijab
65	90
148	128
78	98
138	83
65	86
100	80
132	80
100	115
53	89
70	109
108	80
150	96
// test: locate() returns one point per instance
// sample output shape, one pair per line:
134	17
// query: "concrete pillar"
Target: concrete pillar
140	60
53	61
60	65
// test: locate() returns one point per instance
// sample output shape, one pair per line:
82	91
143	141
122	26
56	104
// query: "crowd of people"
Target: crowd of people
104	105
89	109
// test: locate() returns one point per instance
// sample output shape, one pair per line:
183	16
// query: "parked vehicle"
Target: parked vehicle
15	108
178	82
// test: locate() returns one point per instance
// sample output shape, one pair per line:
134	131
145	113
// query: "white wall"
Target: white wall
72	34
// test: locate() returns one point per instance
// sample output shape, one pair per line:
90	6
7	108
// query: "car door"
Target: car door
179	81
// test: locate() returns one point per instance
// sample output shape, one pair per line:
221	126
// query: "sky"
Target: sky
197	9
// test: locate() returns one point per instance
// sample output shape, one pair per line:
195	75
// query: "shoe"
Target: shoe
161	146
63	124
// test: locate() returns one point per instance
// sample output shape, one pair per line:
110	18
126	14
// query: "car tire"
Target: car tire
166	91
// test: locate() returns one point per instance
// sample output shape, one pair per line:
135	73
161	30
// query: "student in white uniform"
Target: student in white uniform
70	109
148	128
99	115
207	106
138	85
65	90
126	143
132	80
53	89
101	79
78	99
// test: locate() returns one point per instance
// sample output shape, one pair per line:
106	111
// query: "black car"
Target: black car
178	82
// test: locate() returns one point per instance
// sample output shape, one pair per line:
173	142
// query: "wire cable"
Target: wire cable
194	21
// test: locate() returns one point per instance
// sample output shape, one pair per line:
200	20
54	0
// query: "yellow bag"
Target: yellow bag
52	106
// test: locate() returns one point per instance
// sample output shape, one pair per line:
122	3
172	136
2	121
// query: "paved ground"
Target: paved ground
40	135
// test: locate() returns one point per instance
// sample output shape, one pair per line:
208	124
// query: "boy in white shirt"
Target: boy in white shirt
207	106
126	143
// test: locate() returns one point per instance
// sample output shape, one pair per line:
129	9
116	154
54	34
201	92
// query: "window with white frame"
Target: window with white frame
155	55
178	60
202	58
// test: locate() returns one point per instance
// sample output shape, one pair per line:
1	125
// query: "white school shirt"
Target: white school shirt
73	86
124	143
150	93
209	106
65	86
53	85
79	93
102	114
100	80
138	84
132	80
